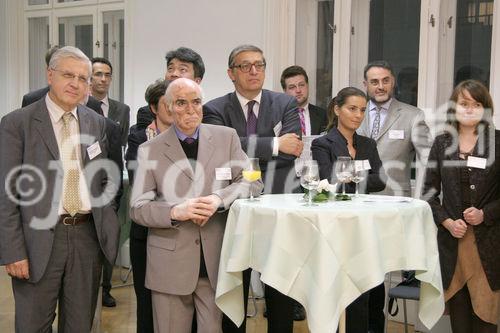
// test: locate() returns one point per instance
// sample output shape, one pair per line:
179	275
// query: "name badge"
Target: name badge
476	162
366	165
277	129
396	134
223	174
93	150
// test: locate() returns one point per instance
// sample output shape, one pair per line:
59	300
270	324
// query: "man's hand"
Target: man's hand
198	210
457	228
473	216
291	144
19	269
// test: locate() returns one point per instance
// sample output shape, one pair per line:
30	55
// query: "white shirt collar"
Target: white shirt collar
383	107
55	111
244	101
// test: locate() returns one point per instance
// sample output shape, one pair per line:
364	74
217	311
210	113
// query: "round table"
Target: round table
326	255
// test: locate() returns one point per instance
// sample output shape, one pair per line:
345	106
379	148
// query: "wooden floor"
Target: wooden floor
121	319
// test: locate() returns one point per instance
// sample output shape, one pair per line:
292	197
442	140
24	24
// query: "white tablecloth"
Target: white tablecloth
327	255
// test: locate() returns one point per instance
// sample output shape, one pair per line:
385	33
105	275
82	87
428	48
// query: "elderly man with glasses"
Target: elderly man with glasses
268	125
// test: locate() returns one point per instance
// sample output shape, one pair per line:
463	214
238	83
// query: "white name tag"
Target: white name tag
223	174
476	162
277	129
396	134
94	150
362	165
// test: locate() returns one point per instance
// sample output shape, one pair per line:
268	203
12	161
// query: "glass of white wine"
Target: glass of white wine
343	171
358	175
309	179
251	174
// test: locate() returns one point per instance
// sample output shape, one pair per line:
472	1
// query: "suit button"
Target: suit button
472	187
197	242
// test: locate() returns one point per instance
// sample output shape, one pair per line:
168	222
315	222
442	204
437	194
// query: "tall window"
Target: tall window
324	53
394	36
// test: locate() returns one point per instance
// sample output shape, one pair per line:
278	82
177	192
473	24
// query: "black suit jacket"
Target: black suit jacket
318	119
120	113
275	110
34	96
485	191
327	148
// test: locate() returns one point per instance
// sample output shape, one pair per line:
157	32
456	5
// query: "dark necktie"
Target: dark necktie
189	141
251	119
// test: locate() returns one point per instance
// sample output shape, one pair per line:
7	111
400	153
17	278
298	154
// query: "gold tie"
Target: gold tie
71	196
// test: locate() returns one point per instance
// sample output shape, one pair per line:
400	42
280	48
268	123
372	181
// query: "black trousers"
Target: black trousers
279	310
376	303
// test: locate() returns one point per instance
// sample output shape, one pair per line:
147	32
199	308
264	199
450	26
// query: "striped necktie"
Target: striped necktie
302	120
376	124
251	119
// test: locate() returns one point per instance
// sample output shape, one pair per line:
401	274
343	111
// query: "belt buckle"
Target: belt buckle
71	218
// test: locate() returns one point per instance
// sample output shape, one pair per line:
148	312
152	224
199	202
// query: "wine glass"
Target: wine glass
358	175
251	173
343	170
299	161
309	179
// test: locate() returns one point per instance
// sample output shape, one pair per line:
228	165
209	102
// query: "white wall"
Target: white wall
3	56
211	28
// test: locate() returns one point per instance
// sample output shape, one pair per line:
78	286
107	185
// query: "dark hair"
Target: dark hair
186	54
291	72
49	53
378	63
242	48
154	92
479	92
102	61
339	101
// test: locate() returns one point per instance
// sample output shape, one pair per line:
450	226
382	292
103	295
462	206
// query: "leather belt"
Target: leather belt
67	219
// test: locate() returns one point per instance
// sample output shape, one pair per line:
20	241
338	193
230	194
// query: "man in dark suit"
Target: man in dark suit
268	126
295	82
119	113
102	74
52	243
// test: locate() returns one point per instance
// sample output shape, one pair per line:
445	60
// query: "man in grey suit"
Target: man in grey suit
401	135
187	178
56	226
102	74
268	126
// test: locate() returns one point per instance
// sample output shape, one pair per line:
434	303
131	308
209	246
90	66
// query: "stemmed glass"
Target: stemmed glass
358	175
343	171
309	179
251	173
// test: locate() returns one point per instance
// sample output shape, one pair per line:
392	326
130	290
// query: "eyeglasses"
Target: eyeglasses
102	74
71	76
260	66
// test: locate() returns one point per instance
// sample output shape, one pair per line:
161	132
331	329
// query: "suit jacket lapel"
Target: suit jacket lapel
112	112
206	150
44	127
392	115
84	122
315	119
236	115
175	153
265	115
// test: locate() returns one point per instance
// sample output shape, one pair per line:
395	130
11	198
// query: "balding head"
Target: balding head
184	102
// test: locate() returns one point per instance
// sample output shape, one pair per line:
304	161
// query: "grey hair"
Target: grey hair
69	52
174	85
243	48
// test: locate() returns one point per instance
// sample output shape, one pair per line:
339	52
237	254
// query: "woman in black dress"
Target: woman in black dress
464	166
347	111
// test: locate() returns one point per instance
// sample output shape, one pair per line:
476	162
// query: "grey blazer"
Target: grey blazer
277	111
27	139
397	154
165	178
120	113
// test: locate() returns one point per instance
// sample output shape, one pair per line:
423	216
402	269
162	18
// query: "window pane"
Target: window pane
38	31
77	31
324	53
37	2
394	36
473	40
61	1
